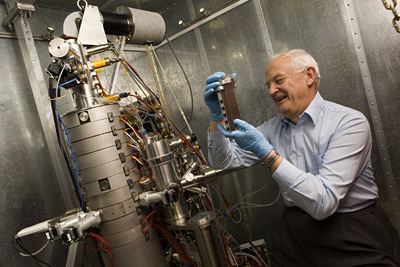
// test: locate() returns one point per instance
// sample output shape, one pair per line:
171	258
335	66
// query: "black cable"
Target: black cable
133	73
187	80
36	259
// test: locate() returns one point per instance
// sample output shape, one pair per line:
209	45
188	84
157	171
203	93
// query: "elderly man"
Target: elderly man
319	154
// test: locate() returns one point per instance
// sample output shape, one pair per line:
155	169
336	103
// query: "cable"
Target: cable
101	86
36	252
244	254
254	205
76	164
234	240
100	242
255	192
175	244
66	132
138	160
142	85
179	133
190	89
133	129
184	73
240	227
151	222
155	74
36	259
61	85
172	92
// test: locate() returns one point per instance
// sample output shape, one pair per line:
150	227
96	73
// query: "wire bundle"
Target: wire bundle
174	127
175	244
258	253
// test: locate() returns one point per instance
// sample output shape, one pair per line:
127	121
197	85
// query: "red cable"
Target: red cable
100	241
175	244
101	87
151	221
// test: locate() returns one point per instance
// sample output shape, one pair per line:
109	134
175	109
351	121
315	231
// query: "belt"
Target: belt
296	208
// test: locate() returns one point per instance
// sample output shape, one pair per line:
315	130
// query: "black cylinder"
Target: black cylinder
115	24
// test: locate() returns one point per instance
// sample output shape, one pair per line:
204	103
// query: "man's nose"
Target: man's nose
272	89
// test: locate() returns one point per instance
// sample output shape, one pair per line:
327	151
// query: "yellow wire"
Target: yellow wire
126	72
138	160
57	98
157	81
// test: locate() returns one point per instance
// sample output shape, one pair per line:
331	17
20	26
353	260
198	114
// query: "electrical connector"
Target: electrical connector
123	95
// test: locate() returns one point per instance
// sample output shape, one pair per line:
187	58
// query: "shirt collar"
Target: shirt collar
312	110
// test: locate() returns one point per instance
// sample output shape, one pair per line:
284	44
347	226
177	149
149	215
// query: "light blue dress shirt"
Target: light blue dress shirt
327	158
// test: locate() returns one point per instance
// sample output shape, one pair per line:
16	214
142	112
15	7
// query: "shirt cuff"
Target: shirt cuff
216	135
286	175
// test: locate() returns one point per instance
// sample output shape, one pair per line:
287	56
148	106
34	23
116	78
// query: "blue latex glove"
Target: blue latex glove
211	97
249	138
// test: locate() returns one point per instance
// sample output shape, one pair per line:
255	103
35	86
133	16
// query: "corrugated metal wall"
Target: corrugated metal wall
29	191
235	42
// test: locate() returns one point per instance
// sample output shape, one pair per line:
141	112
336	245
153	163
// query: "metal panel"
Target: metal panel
374	110
103	171
126	222
115	211
141	251
94	128
380	41
29	191
103	156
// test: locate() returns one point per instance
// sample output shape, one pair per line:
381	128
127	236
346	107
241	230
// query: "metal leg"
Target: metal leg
75	254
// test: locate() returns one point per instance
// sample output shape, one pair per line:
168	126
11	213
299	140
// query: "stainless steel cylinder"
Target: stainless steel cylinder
143	26
207	241
203	226
163	166
105	172
83	97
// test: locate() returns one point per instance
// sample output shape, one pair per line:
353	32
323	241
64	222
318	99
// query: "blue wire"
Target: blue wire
61	85
69	141
73	155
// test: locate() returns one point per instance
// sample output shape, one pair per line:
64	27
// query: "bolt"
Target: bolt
9	25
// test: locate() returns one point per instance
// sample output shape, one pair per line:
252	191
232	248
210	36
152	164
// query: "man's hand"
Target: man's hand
248	138
211	97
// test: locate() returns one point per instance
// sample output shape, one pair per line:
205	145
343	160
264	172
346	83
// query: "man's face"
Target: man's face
289	90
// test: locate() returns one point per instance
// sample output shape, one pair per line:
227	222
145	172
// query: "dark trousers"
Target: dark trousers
361	238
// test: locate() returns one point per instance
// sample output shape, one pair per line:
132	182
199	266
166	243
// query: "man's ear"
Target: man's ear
311	75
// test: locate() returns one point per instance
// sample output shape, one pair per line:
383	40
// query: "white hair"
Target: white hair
301	60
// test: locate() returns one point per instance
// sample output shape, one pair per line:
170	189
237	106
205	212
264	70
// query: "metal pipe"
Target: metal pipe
207	174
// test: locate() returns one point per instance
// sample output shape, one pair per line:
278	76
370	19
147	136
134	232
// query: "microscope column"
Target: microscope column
108	183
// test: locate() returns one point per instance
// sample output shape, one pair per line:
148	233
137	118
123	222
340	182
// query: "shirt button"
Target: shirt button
298	130
300	154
